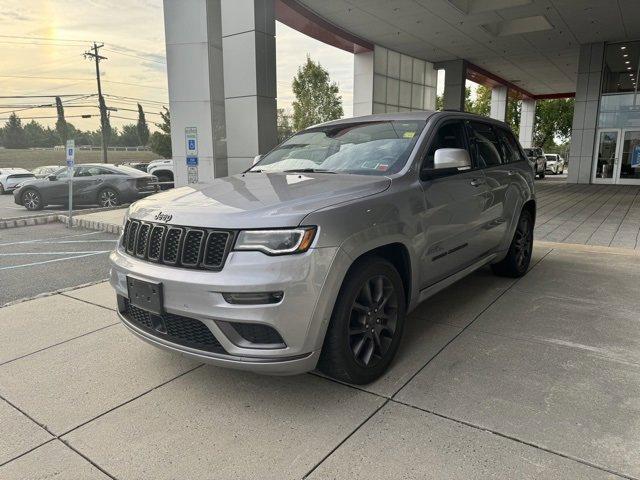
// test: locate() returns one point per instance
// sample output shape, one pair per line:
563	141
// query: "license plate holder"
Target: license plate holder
145	295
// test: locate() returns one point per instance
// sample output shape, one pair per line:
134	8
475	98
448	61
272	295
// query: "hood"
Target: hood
256	200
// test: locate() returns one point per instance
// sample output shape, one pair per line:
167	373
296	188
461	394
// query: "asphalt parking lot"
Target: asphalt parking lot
535	378
46	258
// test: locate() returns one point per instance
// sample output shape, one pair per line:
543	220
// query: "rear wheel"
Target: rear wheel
2	192
108	198
366	324
517	261
32	200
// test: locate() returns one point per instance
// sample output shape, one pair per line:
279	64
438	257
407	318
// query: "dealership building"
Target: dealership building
221	62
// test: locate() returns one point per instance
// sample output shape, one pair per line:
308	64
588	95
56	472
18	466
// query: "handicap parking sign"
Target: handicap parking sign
192	144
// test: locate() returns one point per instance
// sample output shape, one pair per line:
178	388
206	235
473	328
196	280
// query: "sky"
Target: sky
42	42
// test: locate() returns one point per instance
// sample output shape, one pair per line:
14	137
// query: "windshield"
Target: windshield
551	157
372	148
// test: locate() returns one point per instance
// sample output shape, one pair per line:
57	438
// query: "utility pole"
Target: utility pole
105	127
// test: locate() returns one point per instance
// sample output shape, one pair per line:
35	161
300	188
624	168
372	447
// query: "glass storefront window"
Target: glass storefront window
621	63
607	144
630	161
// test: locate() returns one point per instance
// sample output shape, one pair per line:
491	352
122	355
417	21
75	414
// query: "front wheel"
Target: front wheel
108	198
32	200
2	189
517	261
366	324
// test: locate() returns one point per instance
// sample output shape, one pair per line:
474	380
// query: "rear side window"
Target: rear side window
510	149
485	147
449	135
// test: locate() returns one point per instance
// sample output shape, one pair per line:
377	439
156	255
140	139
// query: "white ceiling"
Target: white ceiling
542	62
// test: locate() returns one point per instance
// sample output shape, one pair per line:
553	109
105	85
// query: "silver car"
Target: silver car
315	255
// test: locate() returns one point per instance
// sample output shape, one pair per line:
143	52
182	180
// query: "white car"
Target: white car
555	163
11	177
163	169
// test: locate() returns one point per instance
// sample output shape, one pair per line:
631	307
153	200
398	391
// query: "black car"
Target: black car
93	184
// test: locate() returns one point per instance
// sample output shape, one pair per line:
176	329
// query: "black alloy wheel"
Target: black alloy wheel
517	261
373	321
366	324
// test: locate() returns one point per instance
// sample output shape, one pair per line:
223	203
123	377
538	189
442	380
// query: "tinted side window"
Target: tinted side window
510	149
485	147
99	171
449	135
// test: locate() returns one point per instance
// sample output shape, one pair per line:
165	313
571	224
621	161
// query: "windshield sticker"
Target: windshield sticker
408	134
382	167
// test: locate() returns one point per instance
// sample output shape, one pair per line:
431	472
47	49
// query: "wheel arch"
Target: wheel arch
398	255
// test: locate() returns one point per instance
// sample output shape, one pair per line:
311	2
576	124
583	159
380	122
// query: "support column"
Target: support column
196	90
455	79
249	59
527	121
363	83
499	98
585	112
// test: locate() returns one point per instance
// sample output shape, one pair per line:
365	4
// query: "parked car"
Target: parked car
93	184
142	166
42	172
315	255
555	163
537	158
163	169
11	177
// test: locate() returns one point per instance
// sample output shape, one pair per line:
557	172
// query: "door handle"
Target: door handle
476	182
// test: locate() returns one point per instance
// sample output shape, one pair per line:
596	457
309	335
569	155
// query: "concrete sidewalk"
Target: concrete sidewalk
496	378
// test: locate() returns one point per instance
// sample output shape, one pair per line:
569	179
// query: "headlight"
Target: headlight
276	242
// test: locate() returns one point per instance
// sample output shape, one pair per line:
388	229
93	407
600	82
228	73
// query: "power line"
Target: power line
47	38
135	56
82	80
136	99
45	96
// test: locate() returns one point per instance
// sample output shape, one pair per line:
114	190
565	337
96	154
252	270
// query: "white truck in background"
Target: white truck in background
163	169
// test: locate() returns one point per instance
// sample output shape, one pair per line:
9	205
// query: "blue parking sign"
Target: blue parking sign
192	144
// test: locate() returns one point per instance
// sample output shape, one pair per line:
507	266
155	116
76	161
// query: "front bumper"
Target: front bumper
310	283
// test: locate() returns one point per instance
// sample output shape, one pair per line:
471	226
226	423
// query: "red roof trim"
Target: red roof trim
300	18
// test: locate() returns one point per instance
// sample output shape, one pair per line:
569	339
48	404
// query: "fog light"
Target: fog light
253	298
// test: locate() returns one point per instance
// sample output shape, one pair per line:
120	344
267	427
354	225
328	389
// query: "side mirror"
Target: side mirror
52	177
256	159
446	158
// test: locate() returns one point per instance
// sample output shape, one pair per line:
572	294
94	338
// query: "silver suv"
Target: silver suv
315	255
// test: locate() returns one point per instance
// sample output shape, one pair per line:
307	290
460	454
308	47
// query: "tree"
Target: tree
317	98
285	130
553	120
481	105
160	142
14	133
34	135
129	136
142	128
61	123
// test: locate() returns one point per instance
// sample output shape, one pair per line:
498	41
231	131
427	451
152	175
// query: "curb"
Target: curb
91	224
28	221
61	217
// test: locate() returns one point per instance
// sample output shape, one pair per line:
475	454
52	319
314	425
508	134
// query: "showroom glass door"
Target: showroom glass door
605	163
629	171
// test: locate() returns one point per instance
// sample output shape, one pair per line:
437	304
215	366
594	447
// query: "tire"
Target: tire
32	200
108	197
517	261
541	175
360	345
2	191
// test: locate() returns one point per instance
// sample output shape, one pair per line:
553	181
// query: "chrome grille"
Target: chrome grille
176	245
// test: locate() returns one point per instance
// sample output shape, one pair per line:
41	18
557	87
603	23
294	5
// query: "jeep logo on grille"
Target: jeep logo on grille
163	217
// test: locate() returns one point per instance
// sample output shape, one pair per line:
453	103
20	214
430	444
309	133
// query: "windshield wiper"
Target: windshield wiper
307	170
